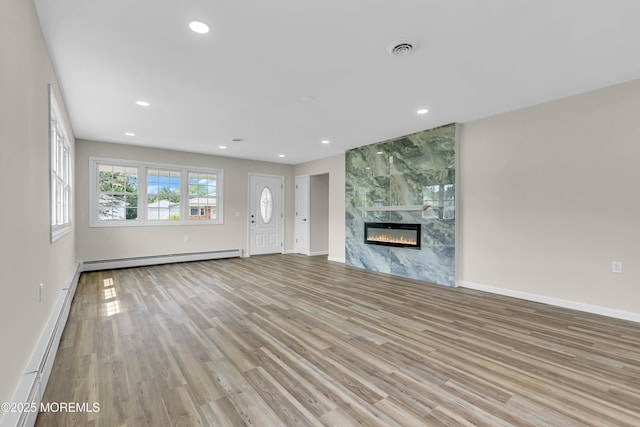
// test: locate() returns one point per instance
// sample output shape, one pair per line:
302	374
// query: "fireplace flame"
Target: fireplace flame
392	239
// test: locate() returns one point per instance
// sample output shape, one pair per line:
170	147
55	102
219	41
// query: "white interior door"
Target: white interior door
302	214
265	214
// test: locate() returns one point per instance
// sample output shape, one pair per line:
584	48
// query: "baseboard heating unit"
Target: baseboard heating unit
33	382
159	259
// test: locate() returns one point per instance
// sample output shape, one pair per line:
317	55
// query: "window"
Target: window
266	205
60	167
118	192
169	195
203	196
163	194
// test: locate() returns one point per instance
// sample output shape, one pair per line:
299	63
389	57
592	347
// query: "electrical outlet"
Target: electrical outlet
616	267
40	292
186	237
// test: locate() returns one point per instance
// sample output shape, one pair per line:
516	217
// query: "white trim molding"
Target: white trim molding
335	259
60	172
574	305
143	217
33	382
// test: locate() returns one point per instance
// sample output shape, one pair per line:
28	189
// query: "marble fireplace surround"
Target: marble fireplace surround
405	180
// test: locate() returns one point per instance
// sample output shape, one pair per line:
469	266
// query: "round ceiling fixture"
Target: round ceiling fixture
199	27
402	48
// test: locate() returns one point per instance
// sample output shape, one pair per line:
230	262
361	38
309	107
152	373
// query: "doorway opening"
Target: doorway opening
312	214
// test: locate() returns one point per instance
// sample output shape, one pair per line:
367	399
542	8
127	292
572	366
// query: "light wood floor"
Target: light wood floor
289	340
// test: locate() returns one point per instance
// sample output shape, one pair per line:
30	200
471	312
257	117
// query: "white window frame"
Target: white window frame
142	220
169	169
61	172
98	193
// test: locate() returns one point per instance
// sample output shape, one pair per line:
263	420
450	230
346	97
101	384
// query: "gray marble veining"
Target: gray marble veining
412	170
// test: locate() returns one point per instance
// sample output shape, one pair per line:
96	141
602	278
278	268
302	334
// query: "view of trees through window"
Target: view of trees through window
118	186
163	194
146	194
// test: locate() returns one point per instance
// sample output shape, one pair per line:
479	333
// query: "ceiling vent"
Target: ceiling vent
401	48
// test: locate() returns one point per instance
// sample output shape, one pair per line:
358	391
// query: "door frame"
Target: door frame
307	225
249	201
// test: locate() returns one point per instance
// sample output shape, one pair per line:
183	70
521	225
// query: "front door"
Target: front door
266	233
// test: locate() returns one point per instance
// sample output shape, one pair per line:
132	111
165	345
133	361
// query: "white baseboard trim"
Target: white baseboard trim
318	253
289	251
334	259
595	309
159	259
32	384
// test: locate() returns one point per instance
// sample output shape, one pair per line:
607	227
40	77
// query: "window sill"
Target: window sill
60	231
112	224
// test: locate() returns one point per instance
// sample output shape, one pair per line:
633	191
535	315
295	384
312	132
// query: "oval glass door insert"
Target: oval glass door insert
266	205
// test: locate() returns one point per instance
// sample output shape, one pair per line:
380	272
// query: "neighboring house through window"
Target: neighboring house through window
172	195
202	196
163	194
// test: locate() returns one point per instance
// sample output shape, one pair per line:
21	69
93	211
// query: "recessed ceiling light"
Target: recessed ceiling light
280	155
143	103
325	141
237	140
422	111
130	134
224	147
199	27
308	99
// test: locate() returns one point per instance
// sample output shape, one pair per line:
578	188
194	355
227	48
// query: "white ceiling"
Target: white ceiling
247	78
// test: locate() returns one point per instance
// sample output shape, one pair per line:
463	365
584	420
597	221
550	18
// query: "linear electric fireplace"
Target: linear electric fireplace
392	234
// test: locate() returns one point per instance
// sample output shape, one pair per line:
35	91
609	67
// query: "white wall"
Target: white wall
27	258
334	166
319	213
550	196
104	243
